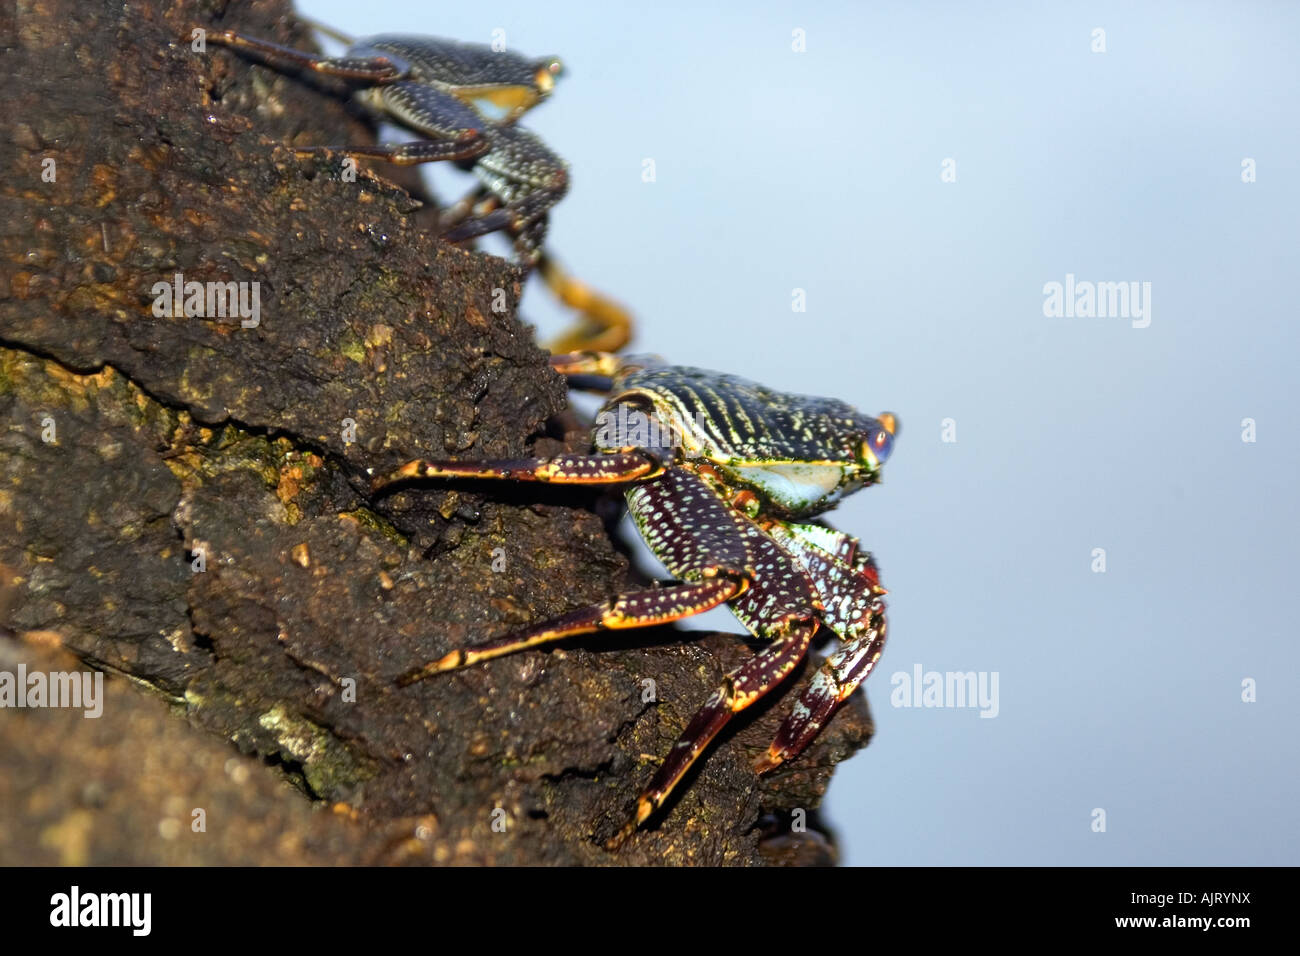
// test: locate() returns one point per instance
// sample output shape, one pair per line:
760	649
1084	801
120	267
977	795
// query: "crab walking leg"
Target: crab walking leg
615	468
781	605
742	687
593	371
837	678
587	364
603	325
523	172
528	241
375	69
703	545
516	217
635	609
478	200
406	154
454	129
848	583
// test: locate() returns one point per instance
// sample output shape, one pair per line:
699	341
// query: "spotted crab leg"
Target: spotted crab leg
515	148
615	468
704	546
837	678
634	609
477	199
371	69
406	154
849	585
743	686
781	605
454	129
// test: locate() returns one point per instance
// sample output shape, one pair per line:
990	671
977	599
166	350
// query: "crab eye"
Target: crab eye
878	445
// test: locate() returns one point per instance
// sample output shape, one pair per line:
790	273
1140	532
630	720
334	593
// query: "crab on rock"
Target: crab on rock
723	475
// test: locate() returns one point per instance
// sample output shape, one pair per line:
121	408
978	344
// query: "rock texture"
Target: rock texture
184	501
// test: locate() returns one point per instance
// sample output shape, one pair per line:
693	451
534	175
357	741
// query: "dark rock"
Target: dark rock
200	525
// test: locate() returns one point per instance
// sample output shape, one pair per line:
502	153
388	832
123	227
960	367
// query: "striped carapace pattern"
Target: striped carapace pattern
743	421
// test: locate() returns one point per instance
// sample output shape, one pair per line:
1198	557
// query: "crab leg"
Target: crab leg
780	605
374	69
703	545
515	217
634	609
603	325
455	129
587	364
479	199
406	154
745	685
596	371
849	585
616	468
837	678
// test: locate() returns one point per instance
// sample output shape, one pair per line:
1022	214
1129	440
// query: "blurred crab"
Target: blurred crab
723	475
434	87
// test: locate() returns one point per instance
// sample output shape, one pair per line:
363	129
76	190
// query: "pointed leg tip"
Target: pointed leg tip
410	470
769	761
615	843
643	810
448	662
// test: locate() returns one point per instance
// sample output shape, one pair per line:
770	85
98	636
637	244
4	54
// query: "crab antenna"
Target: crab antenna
330	32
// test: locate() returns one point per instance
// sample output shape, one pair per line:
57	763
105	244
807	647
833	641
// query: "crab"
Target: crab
435	87
723	476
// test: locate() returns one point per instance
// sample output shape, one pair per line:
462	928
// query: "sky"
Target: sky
1094	509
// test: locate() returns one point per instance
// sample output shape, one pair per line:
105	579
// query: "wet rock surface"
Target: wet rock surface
184	503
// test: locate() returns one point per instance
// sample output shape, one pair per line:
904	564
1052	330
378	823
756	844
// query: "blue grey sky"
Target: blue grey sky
824	170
